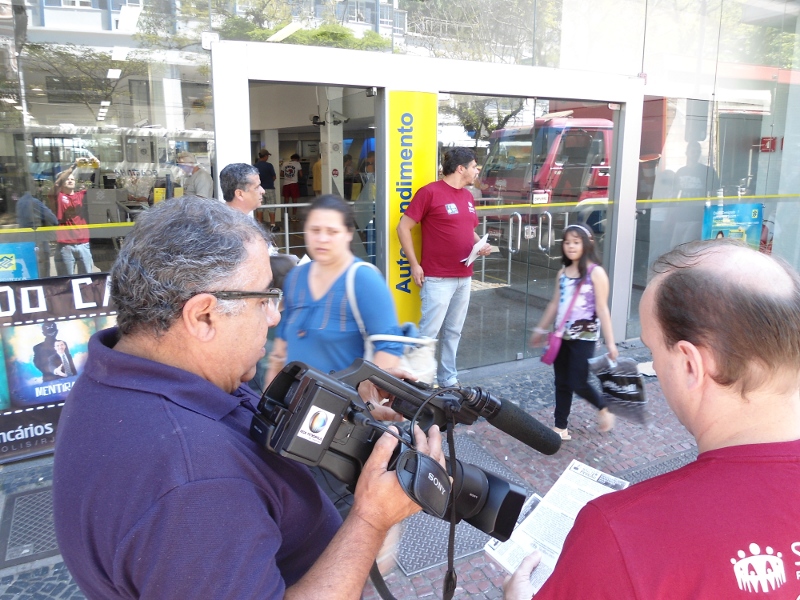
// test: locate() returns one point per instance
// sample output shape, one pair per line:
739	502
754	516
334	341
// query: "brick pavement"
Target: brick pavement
528	383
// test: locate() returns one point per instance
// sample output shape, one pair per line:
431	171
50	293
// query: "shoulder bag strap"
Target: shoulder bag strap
350	291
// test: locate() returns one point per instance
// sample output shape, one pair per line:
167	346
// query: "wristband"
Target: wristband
540	330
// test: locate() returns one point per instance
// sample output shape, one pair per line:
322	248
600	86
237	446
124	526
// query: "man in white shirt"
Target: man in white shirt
198	182
291	172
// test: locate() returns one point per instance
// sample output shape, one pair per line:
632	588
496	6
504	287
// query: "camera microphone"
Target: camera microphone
511	419
514	421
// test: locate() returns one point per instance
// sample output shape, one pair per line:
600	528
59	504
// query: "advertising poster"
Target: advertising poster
738	221
45	326
18	261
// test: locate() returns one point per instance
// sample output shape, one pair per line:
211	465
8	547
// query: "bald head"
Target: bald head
741	305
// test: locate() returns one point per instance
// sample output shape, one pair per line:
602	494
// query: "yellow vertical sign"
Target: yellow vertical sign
412	163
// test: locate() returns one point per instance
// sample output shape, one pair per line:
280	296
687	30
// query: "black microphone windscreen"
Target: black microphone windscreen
520	425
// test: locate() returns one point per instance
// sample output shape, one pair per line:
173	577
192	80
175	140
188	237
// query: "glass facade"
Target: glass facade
120	91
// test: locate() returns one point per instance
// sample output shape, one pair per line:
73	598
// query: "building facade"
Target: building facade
697	143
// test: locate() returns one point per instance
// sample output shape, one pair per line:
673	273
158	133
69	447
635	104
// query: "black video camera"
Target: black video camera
320	420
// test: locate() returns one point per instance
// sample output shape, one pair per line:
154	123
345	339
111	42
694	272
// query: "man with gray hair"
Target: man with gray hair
723	324
158	490
241	187
197	182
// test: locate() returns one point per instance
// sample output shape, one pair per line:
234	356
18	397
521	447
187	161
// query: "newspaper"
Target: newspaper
475	249
545	522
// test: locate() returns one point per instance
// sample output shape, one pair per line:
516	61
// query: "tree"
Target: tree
483	115
80	71
330	34
509	31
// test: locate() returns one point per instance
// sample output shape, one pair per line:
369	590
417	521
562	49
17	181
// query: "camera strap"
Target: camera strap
425	481
450	577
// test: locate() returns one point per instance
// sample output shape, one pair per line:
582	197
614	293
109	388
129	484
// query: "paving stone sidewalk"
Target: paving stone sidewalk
629	450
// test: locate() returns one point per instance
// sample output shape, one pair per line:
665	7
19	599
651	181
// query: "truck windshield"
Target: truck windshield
512	151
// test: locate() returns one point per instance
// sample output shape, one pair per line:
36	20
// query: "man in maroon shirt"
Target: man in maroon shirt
723	324
445	211
73	241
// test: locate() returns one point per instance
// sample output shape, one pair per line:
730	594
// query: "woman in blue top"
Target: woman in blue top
317	325
581	327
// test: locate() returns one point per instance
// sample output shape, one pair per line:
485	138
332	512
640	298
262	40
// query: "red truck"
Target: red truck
556	160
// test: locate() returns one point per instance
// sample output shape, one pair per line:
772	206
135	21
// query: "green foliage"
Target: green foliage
160	25
332	35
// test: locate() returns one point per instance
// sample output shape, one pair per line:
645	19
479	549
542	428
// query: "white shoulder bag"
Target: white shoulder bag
419	353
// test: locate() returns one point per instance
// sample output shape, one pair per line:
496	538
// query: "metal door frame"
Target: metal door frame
235	64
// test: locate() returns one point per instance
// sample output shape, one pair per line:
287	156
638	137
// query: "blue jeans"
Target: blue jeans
445	301
65	259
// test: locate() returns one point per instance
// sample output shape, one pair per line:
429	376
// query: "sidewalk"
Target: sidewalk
630	451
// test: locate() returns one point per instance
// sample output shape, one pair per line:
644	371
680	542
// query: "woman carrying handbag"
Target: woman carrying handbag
579	308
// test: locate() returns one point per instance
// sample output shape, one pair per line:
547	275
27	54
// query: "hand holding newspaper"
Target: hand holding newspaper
475	249
545	522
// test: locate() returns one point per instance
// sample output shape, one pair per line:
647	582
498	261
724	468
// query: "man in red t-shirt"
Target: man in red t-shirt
445	211
723	324
72	241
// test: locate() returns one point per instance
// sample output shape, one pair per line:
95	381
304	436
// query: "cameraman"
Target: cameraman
158	490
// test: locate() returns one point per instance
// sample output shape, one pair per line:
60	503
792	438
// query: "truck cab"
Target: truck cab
560	162
555	160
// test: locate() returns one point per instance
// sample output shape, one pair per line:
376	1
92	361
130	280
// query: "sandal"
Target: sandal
564	433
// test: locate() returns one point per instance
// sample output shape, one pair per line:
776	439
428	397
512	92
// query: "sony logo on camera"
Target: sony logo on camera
435	481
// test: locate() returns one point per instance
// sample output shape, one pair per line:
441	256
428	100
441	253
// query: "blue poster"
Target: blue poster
738	221
18	261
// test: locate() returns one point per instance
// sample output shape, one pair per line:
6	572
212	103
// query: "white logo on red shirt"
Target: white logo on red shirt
759	572
452	209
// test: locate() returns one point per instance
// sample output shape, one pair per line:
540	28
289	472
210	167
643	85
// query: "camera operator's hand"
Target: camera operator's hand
379	503
375	397
379	499
518	586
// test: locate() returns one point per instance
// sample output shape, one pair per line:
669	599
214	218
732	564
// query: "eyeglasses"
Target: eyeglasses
272	295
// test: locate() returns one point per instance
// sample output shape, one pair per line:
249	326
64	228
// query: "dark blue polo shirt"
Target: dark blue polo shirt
159	492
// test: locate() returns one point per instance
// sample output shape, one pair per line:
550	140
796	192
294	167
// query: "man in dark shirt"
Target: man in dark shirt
158	489
33	213
268	176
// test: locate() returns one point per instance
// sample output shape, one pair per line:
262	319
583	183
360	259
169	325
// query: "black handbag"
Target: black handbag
623	387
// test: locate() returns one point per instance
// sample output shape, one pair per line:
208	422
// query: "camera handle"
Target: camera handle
408	396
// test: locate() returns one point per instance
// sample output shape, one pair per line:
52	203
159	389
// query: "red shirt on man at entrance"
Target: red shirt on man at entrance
448	219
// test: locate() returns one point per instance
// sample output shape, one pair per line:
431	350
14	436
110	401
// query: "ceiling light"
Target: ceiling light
119	53
101	118
114	73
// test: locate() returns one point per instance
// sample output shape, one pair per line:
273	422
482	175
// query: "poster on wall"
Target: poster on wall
737	221
18	261
45	326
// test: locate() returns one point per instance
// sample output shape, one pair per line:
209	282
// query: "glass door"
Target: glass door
545	164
